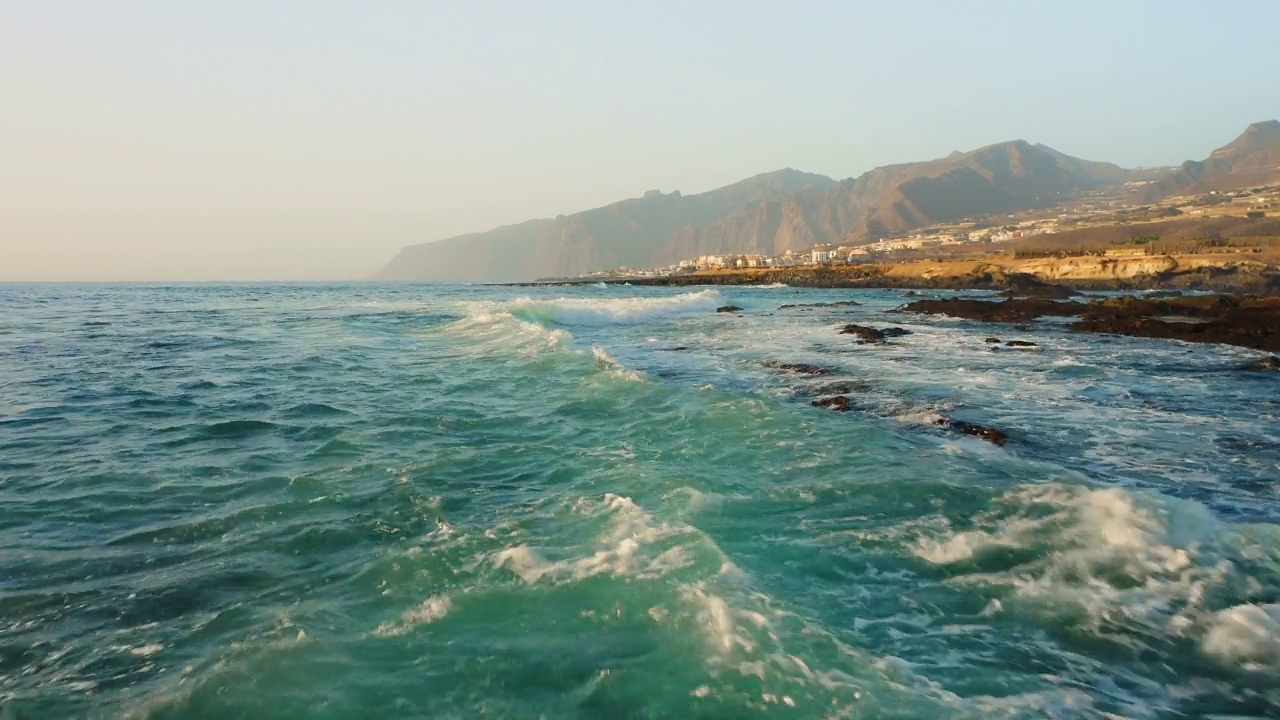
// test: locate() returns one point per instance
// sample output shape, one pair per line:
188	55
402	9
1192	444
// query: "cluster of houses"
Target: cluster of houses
965	234
842	254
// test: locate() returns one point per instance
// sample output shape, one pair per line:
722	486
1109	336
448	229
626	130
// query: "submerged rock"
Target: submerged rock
807	306
728	309
799	368
993	341
677	348
1021	343
841	387
990	434
1270	362
839	403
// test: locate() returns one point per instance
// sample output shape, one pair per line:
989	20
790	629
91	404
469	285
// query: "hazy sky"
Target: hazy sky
307	139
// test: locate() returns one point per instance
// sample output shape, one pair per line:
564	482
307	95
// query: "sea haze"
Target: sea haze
397	500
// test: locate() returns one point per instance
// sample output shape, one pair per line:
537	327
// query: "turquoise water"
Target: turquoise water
411	501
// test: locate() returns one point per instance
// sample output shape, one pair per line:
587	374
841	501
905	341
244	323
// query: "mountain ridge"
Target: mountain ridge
789	209
1253	158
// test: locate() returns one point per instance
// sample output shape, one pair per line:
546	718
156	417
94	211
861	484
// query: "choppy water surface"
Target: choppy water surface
402	501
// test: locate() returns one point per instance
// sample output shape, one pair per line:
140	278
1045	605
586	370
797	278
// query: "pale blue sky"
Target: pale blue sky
287	139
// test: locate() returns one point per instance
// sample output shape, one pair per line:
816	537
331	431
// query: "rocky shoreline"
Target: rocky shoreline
1245	321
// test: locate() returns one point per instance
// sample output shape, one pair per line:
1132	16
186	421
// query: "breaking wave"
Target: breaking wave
1138	569
613	311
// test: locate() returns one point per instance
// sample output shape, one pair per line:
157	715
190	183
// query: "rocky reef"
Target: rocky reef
1246	321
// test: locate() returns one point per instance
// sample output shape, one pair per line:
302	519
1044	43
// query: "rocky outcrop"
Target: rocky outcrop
1252	322
1011	310
728	309
1248	321
873	335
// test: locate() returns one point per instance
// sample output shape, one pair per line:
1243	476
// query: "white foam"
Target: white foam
612	366
487	326
1115	563
628	547
613	311
1245	636
428	611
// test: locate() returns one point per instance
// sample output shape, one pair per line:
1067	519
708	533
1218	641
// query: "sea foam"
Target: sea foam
613	311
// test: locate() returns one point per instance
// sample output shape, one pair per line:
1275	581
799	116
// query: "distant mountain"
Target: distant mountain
896	199
1251	159
625	233
793	210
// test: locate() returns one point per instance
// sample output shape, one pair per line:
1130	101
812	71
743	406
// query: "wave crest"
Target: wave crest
613	311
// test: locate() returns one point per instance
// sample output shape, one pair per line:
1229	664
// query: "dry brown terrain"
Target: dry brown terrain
1253	272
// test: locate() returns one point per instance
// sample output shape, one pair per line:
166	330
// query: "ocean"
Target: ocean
446	501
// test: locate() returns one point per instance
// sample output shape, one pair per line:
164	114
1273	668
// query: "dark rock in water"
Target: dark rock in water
1029	286
677	348
841	387
990	434
728	309
863	333
873	335
1020	343
993	341
809	306
839	403
1164	294
1270	362
799	368
1019	311
1246	321
910	293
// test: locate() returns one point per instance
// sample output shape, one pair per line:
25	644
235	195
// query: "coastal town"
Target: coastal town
1000	235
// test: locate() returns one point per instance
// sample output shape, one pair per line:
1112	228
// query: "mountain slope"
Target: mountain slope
624	233
1251	159
898	198
770	213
